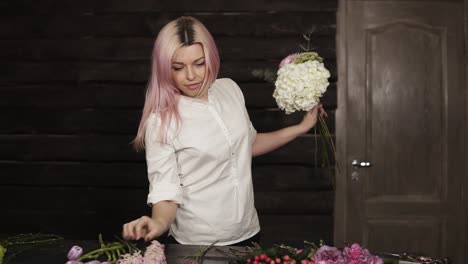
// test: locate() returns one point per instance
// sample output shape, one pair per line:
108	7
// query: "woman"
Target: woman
199	144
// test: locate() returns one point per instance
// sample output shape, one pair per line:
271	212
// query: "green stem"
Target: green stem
32	242
96	253
330	139
2	253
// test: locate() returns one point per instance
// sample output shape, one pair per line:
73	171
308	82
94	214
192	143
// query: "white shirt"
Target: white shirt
205	168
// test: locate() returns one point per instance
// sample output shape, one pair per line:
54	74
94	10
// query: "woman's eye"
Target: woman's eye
176	69
201	64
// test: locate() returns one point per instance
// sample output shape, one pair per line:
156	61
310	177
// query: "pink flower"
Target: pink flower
326	254
356	254
136	258
288	59
375	260
154	253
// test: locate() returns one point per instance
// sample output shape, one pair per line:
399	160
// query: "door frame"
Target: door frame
464	214
340	216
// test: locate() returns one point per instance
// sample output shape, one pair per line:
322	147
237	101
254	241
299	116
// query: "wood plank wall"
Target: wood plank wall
72	81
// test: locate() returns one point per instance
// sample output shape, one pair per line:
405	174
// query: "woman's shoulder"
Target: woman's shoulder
224	82
227	85
154	123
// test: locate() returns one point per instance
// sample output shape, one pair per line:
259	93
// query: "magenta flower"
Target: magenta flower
356	254
288	59
326	254
93	262
74	253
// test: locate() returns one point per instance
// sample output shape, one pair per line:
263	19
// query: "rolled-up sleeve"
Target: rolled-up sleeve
161	160
252	132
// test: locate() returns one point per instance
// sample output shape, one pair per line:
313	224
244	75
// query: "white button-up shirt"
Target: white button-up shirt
205	167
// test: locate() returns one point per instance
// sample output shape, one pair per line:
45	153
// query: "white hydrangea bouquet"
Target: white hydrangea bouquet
300	81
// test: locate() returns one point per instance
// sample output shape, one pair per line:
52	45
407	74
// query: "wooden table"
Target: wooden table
57	252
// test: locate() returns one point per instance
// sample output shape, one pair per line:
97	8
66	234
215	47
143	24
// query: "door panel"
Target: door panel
385	234
405	107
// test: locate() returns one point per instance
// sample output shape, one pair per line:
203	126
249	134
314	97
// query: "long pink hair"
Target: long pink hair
162	94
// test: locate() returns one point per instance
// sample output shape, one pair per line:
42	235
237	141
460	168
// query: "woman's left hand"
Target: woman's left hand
310	118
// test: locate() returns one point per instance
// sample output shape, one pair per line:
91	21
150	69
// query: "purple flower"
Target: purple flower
74	253
93	262
356	254
288	59
73	262
326	254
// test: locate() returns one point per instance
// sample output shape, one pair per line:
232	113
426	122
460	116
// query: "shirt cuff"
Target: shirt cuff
165	192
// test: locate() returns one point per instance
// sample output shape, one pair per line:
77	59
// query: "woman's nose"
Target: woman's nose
190	73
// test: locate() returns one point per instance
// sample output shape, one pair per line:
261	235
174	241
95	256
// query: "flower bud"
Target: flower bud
74	253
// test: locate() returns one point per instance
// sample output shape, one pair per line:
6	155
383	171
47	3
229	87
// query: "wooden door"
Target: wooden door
401	108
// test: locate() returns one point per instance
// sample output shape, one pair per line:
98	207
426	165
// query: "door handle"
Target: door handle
361	164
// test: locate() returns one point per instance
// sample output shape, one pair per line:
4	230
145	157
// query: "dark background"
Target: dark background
72	81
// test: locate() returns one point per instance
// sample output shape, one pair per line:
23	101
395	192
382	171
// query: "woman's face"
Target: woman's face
188	70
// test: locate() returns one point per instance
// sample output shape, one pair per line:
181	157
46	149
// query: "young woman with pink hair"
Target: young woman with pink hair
199	144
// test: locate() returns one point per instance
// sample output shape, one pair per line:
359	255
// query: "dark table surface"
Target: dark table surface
56	252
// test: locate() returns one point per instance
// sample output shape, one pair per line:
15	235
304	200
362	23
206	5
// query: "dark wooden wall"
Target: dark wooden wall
72	81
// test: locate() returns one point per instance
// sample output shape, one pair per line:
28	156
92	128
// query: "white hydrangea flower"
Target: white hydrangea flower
299	86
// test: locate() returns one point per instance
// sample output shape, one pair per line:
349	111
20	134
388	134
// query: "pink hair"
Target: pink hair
162	95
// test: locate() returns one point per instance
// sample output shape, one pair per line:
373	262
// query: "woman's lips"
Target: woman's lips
193	86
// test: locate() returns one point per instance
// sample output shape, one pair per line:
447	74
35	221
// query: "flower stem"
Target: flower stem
98	252
2	253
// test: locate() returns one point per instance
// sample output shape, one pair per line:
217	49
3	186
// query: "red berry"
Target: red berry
286	257
263	256
257	258
268	260
278	260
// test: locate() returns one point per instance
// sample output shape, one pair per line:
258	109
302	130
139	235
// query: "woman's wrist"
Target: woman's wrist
301	129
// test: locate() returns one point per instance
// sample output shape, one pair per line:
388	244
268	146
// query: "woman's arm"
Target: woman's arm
163	215
266	142
164	188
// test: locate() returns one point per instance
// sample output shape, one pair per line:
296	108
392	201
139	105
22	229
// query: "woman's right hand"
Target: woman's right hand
144	227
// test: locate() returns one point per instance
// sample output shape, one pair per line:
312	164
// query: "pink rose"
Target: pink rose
288	59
